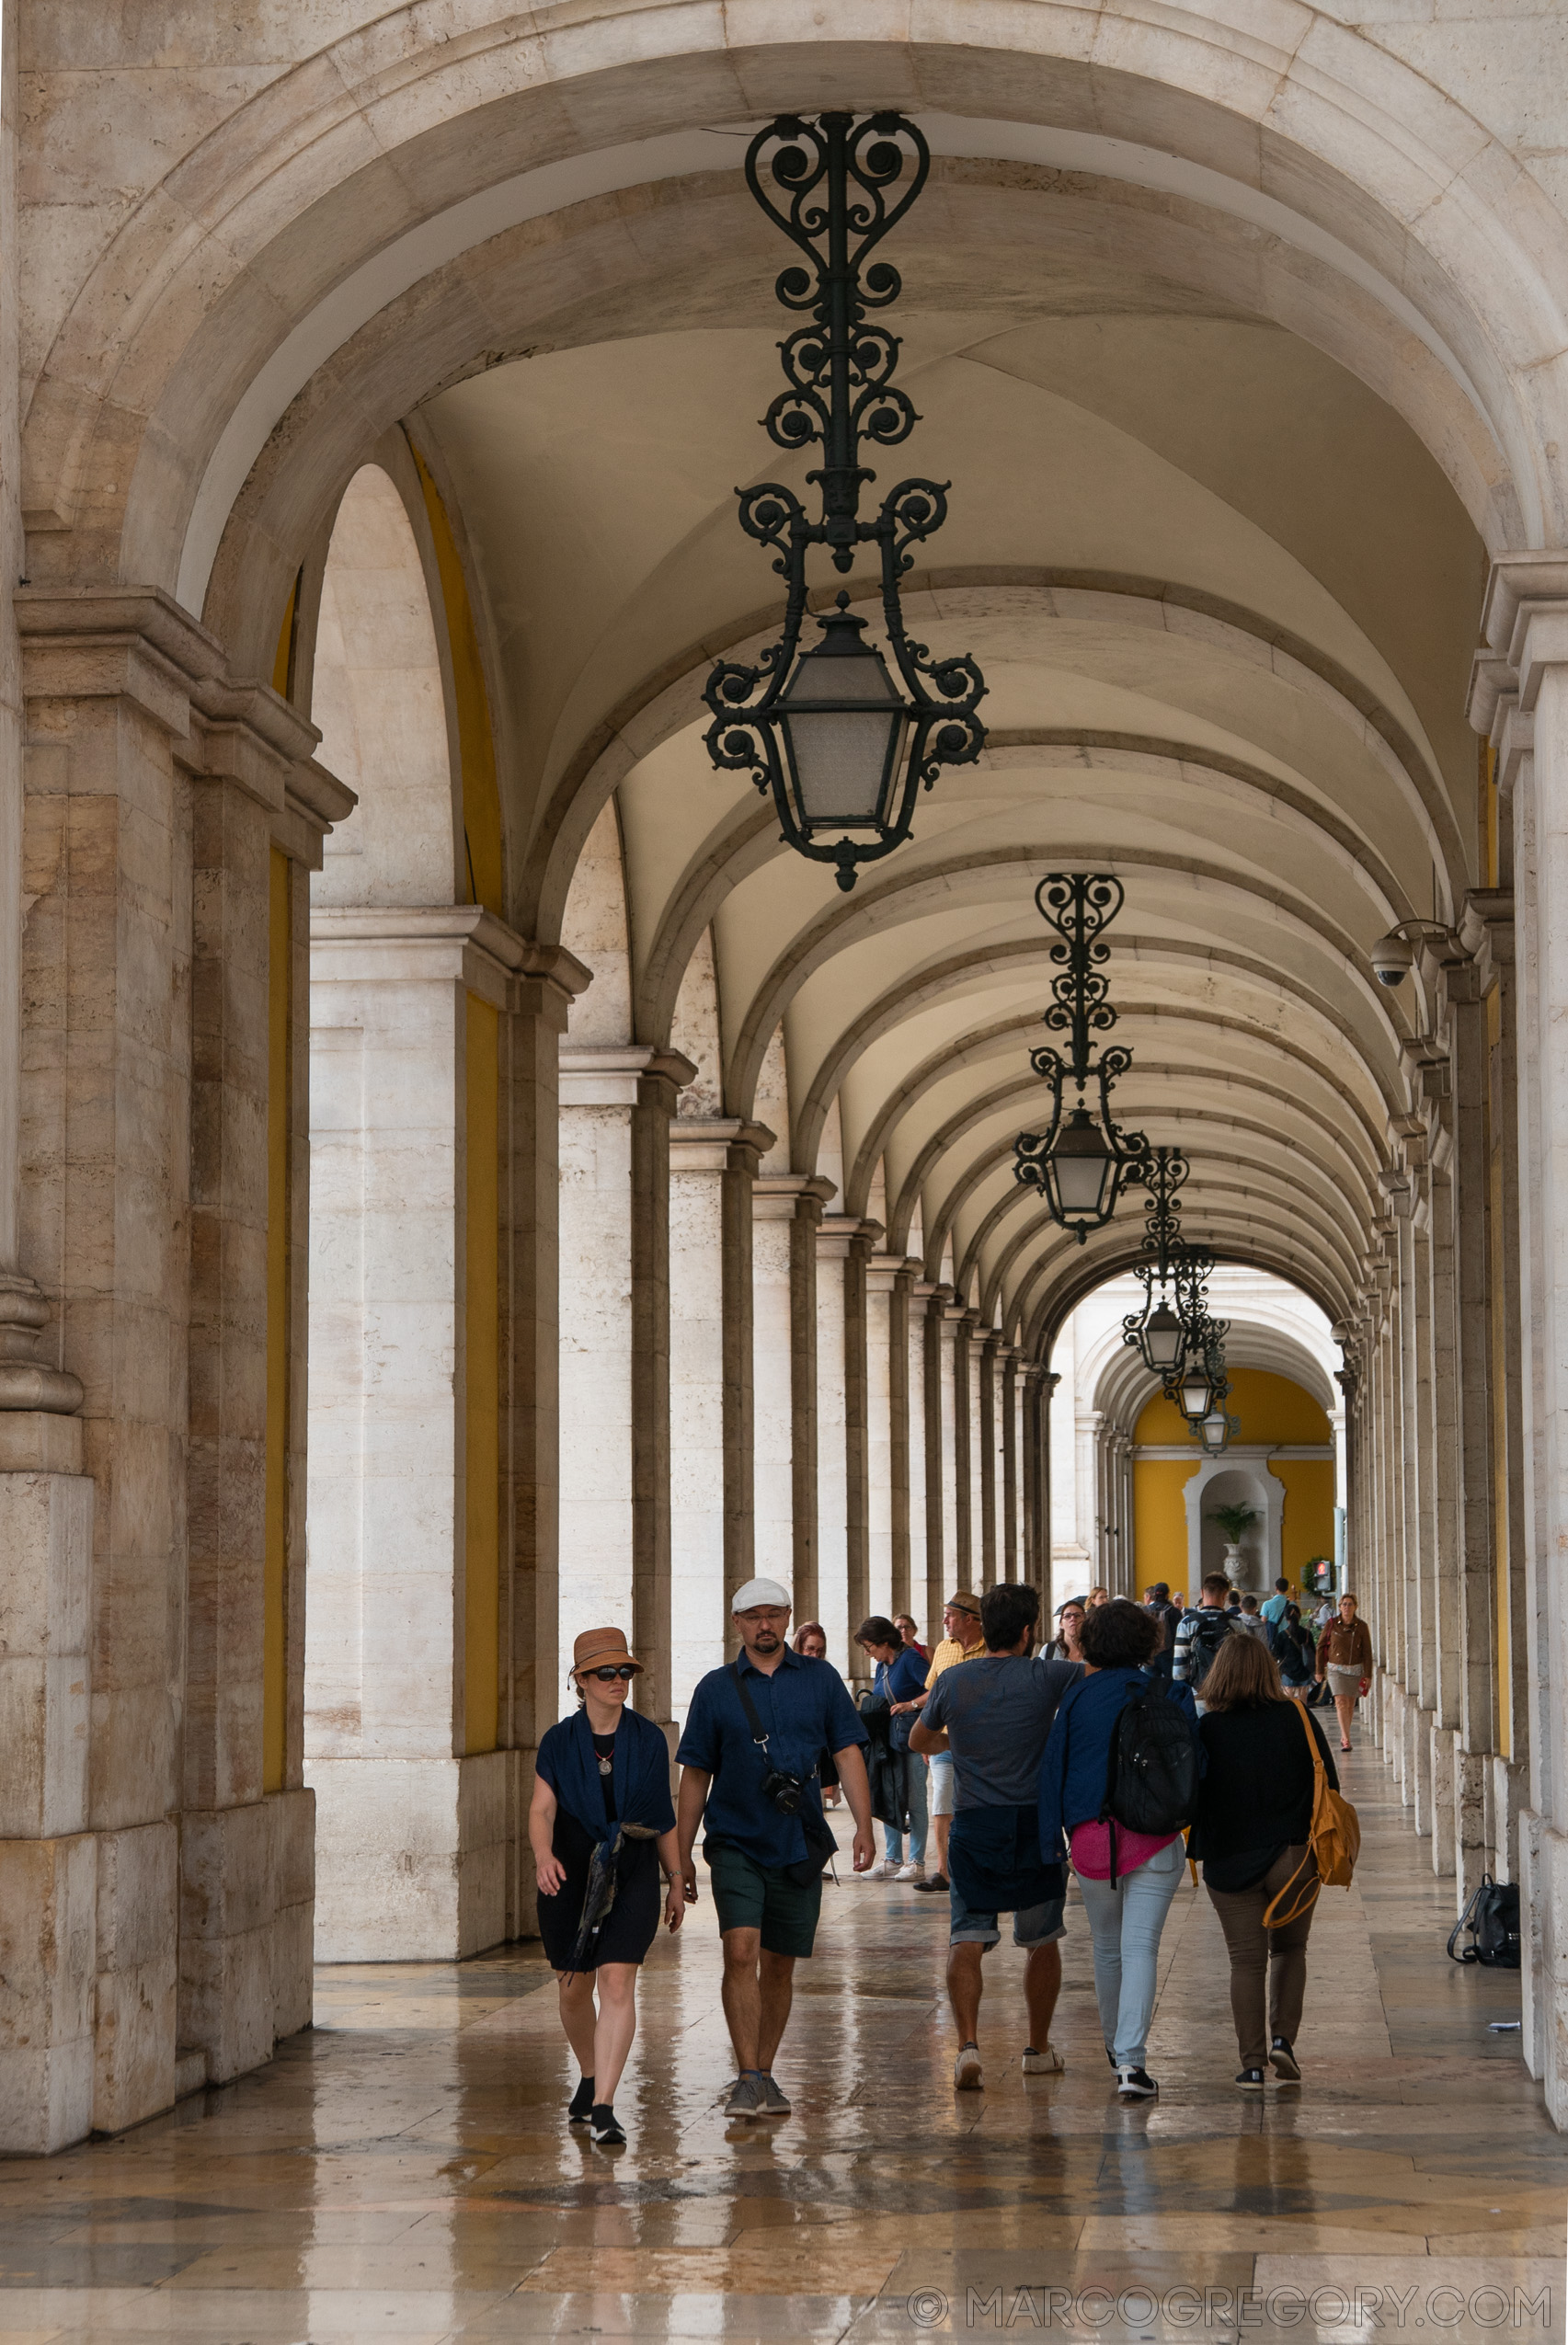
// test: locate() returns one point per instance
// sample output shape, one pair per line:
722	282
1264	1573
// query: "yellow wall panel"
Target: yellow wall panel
482	1612
279	1075
1160	1520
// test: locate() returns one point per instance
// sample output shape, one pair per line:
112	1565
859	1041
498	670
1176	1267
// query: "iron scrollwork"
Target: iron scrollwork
1080	906
842	186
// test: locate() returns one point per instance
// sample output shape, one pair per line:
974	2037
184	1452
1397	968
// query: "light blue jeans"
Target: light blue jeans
1126	1922
893	1842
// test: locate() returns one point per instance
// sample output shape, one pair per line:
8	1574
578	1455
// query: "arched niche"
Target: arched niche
1232	1481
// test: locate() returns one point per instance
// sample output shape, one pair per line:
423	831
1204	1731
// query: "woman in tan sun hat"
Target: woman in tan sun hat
601	1826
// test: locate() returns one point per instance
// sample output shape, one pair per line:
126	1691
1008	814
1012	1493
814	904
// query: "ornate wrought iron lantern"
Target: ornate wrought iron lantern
1157	1332
1082	1162
843	744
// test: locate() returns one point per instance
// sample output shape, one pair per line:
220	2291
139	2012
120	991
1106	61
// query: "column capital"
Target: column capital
1486	926
137	644
840	1233
612	1074
439	944
1525	621
716	1144
789	1197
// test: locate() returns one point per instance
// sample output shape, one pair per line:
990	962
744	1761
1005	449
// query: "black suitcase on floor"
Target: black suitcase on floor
1491	1918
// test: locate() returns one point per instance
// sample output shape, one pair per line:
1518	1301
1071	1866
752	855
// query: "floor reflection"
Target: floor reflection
405	2171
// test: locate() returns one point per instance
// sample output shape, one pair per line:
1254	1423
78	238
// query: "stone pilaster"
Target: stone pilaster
940	1511
417	1804
1012	1415
884	1350
786	1210
661	1080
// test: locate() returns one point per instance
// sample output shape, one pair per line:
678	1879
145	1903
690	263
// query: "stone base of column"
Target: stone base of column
1442	1774
414	1857
138	1975
1535	1998
48	1901
1510	1794
1422	1723
1544	1891
247	1929
1471	1771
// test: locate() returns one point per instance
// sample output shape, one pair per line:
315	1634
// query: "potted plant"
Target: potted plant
1234	1521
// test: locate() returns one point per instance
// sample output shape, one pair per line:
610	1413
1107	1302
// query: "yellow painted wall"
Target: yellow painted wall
1272	1410
275	1573
481	794
1160	1520
1308	1526
482	1423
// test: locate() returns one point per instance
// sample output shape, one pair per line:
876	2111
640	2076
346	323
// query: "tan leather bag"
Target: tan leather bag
1333	1837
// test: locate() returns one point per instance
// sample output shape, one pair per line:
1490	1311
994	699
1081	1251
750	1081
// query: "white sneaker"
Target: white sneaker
966	2073
1047	2063
910	1872
886	1871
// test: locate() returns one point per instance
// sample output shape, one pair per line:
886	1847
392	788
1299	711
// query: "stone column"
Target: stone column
941	1508
1526	623
528	1343
133	1921
786	1207
920	1574
713	1162
413	1783
900	1288
881	1275
964	1462
990	1449
834	1595
1011	1417
665	1075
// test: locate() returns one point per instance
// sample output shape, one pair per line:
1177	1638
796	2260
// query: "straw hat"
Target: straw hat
963	1602
597	1648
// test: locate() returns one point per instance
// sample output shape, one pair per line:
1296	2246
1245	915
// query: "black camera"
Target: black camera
787	1792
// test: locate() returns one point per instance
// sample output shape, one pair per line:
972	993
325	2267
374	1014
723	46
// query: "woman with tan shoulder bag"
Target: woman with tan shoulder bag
1268	1812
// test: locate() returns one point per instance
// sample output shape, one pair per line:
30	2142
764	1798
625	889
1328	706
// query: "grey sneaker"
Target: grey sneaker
747	2098
773	2101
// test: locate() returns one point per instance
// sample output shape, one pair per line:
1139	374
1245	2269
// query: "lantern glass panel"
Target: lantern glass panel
1163	1337
1083	1166
844	730
1195	1394
1215	1431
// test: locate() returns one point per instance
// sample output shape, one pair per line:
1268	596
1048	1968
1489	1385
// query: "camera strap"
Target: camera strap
759	1732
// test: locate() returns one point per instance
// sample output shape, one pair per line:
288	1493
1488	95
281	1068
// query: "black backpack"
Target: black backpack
1210	1629
1151	1769
1491	1918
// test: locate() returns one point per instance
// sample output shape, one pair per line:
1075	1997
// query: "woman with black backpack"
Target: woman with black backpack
1127	1876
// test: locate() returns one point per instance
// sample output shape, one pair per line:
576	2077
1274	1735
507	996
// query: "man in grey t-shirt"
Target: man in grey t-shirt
994	1713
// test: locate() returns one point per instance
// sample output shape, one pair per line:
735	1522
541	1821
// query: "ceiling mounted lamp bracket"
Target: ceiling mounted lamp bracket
827	731
1082	1161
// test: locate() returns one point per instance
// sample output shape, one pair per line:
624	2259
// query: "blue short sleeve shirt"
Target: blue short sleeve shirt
804	1709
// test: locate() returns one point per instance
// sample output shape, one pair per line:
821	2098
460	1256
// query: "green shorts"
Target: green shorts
753	1896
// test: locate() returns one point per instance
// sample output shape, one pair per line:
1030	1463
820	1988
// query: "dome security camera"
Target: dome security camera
1393	960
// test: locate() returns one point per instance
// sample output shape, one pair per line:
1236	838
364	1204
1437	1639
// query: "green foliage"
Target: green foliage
1235	1520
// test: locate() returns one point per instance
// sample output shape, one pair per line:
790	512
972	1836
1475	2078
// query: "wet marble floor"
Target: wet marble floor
403	2170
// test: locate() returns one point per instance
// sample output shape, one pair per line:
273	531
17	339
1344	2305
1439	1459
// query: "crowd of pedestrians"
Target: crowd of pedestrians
1112	1749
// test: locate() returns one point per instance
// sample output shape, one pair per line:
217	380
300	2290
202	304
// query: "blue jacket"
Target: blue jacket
1072	1772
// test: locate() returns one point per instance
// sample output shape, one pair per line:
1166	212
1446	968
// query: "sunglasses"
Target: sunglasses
625	1670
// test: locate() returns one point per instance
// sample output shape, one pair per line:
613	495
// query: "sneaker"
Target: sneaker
1283	2061
910	1872
604	2129
580	2106
967	2074
1049	2063
1135	2084
886	1871
746	2096
937	1881
773	2101
1250	2079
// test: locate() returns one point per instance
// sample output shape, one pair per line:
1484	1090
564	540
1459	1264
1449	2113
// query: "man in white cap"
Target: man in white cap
755	1734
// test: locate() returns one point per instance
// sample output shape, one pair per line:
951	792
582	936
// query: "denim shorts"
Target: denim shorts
1035	1925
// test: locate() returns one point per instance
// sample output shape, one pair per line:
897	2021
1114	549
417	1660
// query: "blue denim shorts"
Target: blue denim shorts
1035	1925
